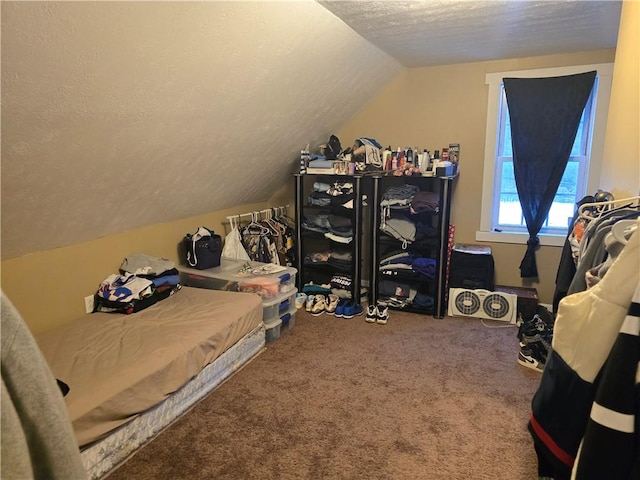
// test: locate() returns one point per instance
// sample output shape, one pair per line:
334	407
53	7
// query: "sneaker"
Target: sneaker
534	326
372	314
332	304
319	305
301	300
352	309
340	308
383	316
309	302
534	351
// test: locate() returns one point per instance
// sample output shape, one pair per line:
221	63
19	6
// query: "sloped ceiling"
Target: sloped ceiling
117	115
436	32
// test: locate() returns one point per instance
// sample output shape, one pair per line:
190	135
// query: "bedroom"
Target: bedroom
106	106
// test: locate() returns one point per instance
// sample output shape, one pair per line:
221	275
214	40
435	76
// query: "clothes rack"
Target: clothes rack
267	236
267	213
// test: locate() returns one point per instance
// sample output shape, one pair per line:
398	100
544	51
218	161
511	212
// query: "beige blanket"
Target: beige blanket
118	366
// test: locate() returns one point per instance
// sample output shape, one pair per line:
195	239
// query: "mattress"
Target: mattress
102	456
118	366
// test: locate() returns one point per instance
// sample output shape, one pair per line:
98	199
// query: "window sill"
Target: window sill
520	238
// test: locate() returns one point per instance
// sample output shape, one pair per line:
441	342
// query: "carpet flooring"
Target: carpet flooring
334	398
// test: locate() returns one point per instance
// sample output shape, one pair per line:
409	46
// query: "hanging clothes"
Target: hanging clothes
585	331
588	216
611	444
269	240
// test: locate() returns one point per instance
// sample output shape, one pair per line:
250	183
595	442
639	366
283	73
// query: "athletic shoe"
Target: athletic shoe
372	314
332	304
534	351
339	312
535	326
318	305
309	302
352	309
301	300
383	316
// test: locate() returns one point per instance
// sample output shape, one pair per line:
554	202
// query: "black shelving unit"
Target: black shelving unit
309	241
434	246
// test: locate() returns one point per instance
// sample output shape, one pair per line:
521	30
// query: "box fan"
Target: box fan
464	302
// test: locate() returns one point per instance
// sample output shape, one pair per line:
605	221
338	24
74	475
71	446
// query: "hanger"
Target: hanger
623	229
263	230
584	211
269	224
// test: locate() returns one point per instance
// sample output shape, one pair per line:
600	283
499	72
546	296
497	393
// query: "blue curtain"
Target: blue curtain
545	115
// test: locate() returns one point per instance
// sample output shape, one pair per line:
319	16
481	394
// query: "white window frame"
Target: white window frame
601	105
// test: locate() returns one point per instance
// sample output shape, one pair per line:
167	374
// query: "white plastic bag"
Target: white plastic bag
233	247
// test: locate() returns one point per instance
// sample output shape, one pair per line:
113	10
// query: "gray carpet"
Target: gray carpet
418	398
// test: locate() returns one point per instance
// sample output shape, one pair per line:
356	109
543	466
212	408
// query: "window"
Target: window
501	218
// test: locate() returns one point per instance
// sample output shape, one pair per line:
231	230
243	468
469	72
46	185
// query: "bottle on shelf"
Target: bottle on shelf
401	158
426	161
386	158
409	155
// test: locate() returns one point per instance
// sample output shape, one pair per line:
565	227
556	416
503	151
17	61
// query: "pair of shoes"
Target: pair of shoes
319	305
348	309
332	304
376	314
535	337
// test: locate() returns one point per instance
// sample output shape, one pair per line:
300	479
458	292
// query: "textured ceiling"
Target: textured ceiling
437	32
118	115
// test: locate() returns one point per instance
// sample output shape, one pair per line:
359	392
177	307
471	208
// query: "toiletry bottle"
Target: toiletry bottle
409	155
401	158
426	159
386	158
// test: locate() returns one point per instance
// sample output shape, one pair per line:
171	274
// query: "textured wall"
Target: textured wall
117	115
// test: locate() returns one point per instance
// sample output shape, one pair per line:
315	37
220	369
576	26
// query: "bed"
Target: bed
131	375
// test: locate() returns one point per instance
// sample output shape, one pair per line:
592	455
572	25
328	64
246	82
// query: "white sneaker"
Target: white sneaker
331	304
319	305
383	316
372	314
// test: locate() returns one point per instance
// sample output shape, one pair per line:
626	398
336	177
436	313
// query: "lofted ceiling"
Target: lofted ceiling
118	115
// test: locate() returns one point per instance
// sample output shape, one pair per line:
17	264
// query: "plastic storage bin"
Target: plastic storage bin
242	276
272	330
276	307
288	321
